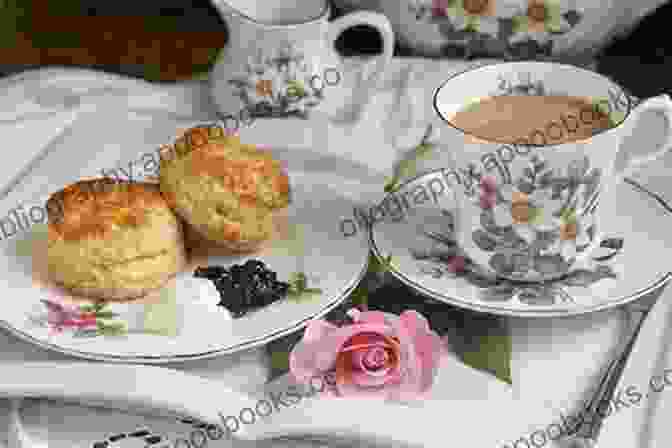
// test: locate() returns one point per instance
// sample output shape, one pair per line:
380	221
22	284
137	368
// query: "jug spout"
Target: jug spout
224	9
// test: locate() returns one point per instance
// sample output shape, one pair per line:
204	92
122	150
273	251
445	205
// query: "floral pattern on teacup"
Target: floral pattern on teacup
523	235
536	224
512	29
447	259
278	85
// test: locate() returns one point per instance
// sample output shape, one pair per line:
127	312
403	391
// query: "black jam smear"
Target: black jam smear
244	287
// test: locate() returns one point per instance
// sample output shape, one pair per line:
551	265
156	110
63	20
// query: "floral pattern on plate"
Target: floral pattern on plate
88	320
513	29
280	85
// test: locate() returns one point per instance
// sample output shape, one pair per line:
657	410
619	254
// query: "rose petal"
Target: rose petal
363	379
353	313
320	355
372	317
317	329
365	341
415	322
409	362
347	387
429	348
428	345
392	361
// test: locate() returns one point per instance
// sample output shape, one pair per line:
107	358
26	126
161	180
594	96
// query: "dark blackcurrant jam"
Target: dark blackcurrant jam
244	287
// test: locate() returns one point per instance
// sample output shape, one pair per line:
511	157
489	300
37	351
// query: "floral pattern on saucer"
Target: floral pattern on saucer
280	85
513	29
447	259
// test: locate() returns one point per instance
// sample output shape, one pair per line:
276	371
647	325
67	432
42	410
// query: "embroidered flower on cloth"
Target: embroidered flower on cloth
378	355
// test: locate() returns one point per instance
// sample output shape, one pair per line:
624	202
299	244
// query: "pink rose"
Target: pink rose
378	355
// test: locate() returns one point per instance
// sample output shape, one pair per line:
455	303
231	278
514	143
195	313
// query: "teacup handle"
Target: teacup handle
380	23
631	163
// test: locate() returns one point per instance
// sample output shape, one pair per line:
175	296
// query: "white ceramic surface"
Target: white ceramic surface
290	69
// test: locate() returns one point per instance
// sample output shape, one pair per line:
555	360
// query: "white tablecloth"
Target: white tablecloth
555	362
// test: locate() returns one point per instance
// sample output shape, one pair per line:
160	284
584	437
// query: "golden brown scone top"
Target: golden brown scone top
241	166
93	207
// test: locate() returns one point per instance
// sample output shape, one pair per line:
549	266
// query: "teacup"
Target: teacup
529	202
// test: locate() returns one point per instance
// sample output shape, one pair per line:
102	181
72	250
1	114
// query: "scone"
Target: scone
112	240
229	192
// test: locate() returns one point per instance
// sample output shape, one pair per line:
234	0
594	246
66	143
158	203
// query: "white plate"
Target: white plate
334	263
627	214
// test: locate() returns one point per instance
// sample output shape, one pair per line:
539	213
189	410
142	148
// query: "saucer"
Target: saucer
422	251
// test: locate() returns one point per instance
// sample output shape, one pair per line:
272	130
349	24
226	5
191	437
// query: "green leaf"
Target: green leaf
569	215
280	360
490	347
298	287
519	24
536	214
111	328
278	352
161	318
391	184
87	308
360	296
295	89
105	315
97	306
423	150
378	266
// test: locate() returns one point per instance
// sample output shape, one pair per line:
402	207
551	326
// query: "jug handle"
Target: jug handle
380	23
630	163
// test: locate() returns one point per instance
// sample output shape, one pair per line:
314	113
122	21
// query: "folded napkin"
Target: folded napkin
452	416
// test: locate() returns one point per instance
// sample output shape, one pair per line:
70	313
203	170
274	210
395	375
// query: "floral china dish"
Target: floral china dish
528	210
189	317
280	60
507	29
416	235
